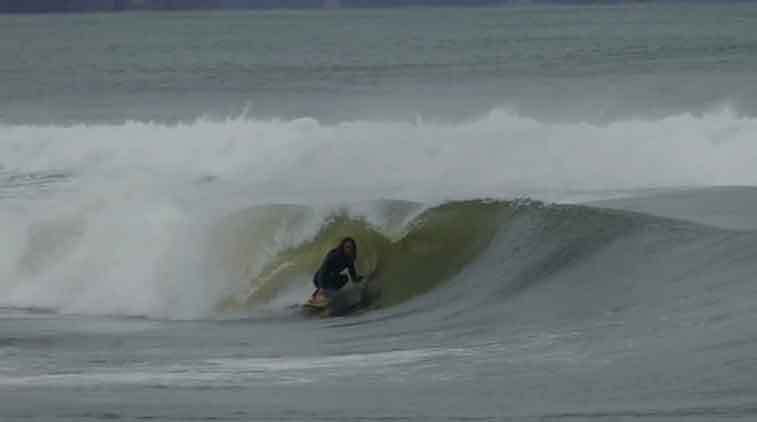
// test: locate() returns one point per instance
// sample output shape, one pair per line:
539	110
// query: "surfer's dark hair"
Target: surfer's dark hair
354	245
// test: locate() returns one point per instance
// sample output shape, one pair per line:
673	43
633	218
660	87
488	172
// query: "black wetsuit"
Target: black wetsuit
329	275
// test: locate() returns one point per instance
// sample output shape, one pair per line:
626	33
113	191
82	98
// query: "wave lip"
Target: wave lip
305	161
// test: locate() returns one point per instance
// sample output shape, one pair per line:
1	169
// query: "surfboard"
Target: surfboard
345	301
315	306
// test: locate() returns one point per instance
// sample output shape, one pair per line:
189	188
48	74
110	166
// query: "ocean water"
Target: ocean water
557	203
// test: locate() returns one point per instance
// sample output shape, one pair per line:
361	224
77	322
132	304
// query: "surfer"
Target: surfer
329	277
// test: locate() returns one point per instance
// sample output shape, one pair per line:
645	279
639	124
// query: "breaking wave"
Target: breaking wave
181	221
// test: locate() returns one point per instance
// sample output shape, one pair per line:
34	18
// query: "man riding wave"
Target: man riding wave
329	278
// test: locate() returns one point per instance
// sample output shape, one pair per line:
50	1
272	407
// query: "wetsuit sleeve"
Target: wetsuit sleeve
351	269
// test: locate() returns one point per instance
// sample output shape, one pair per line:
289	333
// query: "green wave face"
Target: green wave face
432	247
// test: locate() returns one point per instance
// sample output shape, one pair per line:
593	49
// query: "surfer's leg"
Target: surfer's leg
334	282
329	285
340	281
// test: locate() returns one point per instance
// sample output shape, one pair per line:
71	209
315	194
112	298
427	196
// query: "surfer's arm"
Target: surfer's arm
353	274
327	266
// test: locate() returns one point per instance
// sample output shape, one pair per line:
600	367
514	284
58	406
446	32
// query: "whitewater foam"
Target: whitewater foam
303	160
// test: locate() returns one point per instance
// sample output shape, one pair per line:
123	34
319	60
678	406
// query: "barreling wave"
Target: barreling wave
494	248
433	245
468	253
